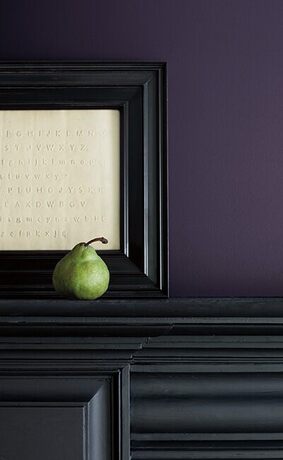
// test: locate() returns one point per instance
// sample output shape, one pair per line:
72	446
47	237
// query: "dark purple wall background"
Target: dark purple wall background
225	62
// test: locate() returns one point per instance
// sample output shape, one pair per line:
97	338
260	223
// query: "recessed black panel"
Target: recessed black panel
42	433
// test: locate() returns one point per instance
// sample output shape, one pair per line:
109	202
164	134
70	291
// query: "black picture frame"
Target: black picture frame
139	91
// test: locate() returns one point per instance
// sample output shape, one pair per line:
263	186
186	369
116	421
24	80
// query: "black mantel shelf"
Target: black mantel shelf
147	308
174	316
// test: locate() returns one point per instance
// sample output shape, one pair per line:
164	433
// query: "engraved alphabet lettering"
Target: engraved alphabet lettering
59	178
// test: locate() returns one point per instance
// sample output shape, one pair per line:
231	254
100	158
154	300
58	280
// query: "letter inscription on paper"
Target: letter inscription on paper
59	178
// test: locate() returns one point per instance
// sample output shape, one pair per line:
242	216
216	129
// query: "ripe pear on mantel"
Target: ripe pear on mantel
82	273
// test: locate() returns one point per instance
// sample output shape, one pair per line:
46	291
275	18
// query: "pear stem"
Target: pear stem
101	239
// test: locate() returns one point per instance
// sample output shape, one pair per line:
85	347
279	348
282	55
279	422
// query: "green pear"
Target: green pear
82	273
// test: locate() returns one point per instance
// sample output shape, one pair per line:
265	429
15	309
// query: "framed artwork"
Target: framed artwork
83	155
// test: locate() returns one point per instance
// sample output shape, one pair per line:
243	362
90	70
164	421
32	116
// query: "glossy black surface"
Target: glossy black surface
141	379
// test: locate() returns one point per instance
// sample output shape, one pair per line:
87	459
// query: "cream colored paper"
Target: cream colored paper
59	178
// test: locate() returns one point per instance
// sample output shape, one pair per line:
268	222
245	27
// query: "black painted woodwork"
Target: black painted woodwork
138	91
159	379
52	417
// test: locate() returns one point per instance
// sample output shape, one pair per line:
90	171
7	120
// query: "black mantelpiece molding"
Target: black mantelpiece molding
151	318
169	379
236	307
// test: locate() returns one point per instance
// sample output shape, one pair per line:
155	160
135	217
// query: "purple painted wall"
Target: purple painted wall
225	62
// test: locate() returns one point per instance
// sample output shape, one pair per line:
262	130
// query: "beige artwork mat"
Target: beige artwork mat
59	178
